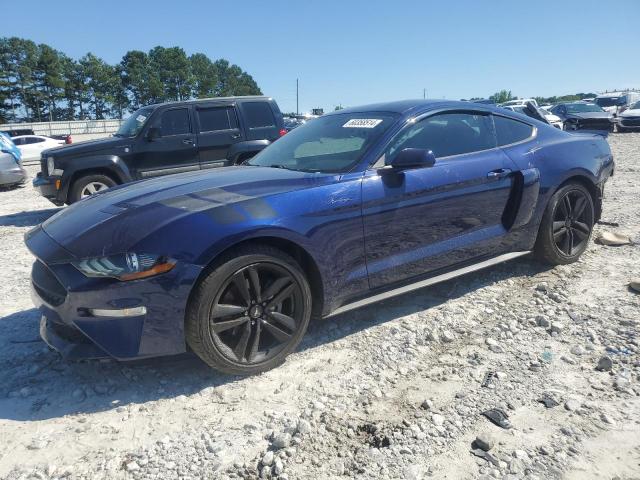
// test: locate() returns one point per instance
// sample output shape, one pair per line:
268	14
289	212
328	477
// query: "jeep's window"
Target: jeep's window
331	144
175	122
258	114
446	134
219	118
510	131
132	125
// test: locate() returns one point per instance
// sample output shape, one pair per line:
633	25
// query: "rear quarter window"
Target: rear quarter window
510	131
258	115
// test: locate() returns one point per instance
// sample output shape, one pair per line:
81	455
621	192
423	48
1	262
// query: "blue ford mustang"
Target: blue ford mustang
348	209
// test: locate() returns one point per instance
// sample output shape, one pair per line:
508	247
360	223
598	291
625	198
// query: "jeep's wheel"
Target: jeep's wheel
88	185
566	225
249	312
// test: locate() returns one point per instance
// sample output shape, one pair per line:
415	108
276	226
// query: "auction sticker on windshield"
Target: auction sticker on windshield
362	123
141	118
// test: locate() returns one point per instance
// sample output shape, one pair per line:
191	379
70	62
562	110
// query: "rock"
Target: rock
427	405
634	284
578	350
543	321
547	450
437	419
447	336
267	459
484	442
605	364
520	455
282	440
278	467
607	419
572	405
432	336
557	327
303	426
132	466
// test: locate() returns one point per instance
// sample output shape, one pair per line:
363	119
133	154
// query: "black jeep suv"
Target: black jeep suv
159	140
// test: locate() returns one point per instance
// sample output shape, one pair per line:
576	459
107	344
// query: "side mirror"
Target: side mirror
413	158
153	133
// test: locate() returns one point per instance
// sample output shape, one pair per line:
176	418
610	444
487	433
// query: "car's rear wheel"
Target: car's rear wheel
88	185
250	311
566	225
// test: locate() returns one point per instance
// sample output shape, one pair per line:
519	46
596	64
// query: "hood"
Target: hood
90	146
551	117
635	112
586	115
119	218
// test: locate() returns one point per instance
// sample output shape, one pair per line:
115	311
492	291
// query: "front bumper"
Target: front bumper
13	176
64	296
629	122
47	188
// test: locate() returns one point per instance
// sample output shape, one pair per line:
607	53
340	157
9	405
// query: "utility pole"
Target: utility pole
424	93
297	107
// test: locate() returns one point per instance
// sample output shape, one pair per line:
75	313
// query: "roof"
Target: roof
409	106
214	99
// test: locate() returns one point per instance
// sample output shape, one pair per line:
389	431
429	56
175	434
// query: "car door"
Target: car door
168	145
218	131
31	147
421	220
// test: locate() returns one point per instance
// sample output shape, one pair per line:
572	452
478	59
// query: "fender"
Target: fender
112	163
240	148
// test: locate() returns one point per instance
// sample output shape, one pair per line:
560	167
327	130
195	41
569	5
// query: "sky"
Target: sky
356	52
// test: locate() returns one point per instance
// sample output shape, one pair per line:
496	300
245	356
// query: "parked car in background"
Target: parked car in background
291	122
583	116
616	102
519	102
341	212
629	119
536	112
160	140
11	171
31	146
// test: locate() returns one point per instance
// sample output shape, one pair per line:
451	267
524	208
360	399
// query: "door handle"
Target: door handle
499	173
187	141
235	135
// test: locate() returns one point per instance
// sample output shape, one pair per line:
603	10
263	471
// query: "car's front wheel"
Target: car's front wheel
250	311
566	225
88	185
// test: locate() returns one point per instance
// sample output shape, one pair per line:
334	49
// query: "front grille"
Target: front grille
47	285
595	124
630	121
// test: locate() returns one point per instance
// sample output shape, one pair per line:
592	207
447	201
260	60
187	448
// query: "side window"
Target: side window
175	122
30	140
218	118
447	134
510	131
258	114
18	141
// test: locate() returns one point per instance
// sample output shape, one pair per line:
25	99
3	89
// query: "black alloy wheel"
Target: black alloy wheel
572	222
256	313
249	311
566	225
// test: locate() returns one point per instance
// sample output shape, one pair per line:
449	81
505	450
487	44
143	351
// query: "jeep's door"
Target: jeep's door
424	219
218	131
168	144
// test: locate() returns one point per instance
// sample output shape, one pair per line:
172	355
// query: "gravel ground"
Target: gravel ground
395	390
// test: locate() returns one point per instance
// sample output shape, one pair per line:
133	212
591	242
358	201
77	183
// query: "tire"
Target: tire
222	324
82	184
563	237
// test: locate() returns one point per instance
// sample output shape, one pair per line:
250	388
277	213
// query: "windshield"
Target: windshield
132	125
635	106
330	144
582	107
609	101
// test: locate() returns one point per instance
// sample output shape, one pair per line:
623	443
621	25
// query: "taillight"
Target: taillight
282	132
68	140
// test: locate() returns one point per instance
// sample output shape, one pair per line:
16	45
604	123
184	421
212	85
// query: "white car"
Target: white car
629	119
521	102
552	119
616	102
31	146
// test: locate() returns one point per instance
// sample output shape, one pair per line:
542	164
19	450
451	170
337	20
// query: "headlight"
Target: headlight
126	266
50	166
